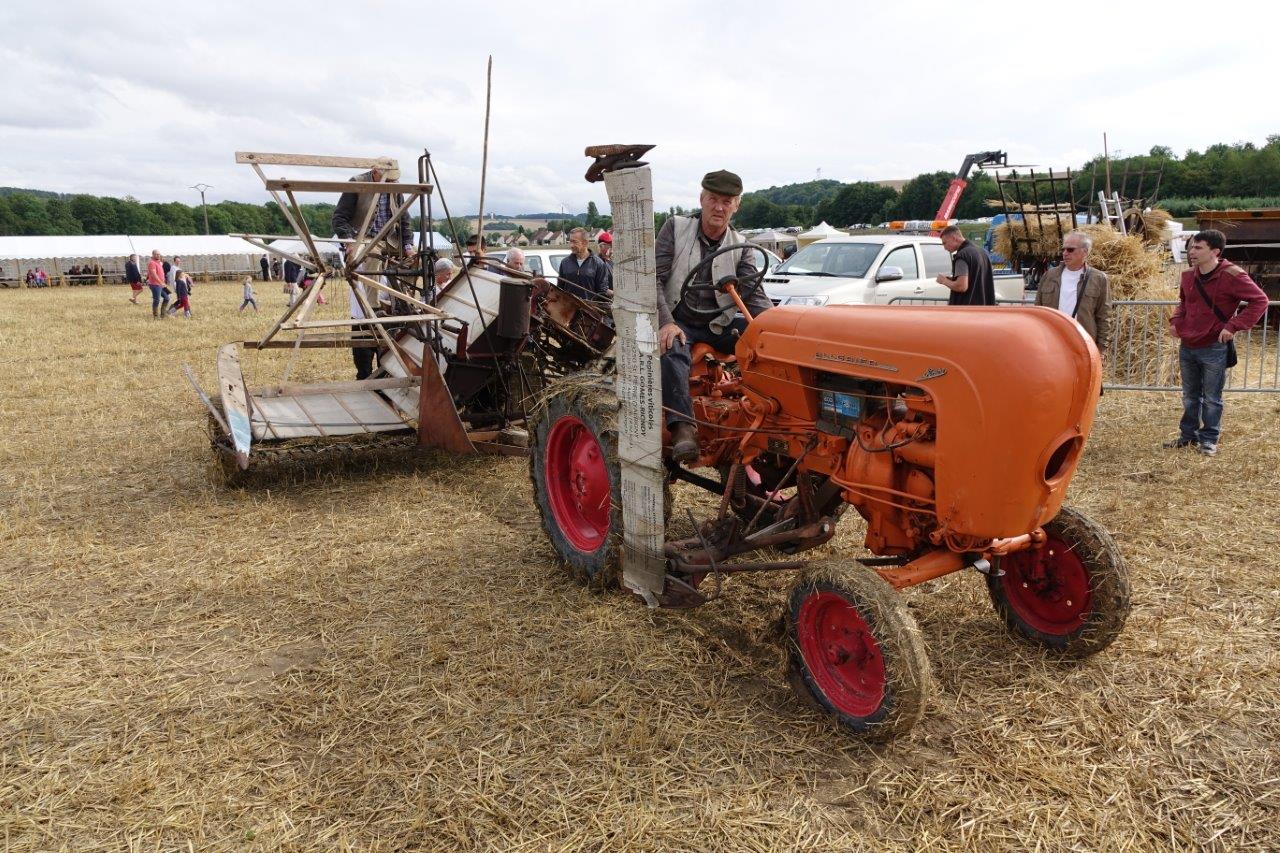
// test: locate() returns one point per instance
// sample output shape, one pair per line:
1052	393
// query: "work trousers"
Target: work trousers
1204	374
677	361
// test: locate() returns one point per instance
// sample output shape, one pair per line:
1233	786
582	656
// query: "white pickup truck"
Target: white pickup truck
871	270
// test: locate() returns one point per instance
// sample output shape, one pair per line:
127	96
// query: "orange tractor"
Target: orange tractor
954	433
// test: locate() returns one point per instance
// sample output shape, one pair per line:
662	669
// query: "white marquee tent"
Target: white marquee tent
217	254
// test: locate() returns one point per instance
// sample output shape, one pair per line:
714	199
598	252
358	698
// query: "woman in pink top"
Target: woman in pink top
155	281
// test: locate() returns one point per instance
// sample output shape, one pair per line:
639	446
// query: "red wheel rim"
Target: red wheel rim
841	653
577	484
1048	587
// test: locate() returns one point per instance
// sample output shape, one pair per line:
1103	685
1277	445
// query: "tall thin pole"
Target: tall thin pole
200	188
1106	159
484	163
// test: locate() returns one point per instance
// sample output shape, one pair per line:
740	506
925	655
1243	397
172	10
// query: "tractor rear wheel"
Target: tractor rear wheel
577	478
1071	595
855	652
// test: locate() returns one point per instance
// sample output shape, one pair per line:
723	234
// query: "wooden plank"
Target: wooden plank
336	387
430	309
304	232
293	237
270	159
253	241
373	322
204	398
235	402
380	187
279	324
324	342
319	425
638	383
284	208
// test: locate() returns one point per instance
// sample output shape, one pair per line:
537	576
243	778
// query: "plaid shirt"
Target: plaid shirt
381	215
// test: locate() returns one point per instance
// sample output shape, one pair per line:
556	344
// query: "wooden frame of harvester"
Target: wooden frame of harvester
458	365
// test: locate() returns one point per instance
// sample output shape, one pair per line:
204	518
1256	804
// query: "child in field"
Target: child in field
182	286
248	295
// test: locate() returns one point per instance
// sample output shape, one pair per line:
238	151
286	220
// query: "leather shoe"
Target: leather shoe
684	443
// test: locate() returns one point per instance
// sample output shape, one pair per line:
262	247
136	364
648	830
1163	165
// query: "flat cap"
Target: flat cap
722	182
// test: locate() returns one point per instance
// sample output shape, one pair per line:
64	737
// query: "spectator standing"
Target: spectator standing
1206	322
133	276
584	274
1079	290
971	281
605	241
515	259
155	282
266	268
275	268
248	295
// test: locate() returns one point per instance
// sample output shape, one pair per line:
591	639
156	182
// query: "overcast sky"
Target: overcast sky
146	99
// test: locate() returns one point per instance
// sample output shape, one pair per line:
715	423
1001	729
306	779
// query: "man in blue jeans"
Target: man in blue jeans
1206	321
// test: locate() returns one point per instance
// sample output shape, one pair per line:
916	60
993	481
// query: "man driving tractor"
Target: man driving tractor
680	246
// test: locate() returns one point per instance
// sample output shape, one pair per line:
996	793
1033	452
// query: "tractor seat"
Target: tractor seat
701	351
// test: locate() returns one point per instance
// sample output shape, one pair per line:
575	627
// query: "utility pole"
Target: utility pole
201	188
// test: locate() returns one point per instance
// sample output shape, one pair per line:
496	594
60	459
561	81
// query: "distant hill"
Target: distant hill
809	193
4	191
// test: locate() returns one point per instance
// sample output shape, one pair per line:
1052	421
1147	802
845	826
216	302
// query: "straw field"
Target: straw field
387	657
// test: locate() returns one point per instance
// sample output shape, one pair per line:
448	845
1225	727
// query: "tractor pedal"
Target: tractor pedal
984	566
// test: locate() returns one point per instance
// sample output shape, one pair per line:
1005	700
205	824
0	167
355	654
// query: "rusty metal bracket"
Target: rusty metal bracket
610	158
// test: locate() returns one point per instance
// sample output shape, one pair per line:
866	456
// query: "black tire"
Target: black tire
1070	596
590	410
855	652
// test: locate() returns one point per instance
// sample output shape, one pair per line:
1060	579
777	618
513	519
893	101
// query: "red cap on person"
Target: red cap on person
604	237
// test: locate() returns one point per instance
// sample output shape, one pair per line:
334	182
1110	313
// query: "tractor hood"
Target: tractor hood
1014	390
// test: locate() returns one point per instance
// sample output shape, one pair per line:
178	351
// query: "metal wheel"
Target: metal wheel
577	483
1071	595
577	479
855	652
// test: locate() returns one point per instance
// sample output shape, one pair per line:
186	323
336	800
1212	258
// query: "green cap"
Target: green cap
722	183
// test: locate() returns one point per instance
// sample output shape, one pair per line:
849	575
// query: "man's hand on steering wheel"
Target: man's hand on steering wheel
747	285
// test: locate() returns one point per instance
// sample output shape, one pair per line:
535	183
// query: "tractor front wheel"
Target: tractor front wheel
1071	595
577	480
855	652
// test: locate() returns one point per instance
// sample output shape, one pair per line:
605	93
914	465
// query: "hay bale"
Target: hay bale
1034	238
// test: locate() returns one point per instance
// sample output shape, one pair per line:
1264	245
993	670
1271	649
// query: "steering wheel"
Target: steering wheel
746	287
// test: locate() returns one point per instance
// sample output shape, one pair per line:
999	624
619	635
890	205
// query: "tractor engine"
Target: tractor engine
939	433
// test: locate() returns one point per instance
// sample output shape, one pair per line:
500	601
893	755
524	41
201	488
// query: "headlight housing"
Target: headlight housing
807	300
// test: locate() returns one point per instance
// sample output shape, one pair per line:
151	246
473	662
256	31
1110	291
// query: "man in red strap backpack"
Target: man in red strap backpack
1206	321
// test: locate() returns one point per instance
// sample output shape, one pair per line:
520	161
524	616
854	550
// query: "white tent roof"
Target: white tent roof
773	237
821	231
122	245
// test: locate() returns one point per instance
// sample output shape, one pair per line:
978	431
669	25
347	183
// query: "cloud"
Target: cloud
150	100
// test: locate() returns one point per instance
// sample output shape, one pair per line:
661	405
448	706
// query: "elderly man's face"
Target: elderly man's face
578	244
375	175
1073	253
951	242
717	210
515	261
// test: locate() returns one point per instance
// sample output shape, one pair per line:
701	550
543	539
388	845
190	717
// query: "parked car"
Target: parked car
543	262
869	270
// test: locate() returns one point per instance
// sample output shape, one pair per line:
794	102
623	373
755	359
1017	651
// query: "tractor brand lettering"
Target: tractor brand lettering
932	373
853	359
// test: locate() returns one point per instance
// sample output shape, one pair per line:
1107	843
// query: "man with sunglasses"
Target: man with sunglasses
1079	290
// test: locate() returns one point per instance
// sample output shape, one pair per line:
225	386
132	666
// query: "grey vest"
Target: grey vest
688	254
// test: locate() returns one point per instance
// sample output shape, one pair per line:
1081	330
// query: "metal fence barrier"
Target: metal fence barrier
1143	356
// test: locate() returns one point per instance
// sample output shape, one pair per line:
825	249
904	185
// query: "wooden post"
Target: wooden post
639	381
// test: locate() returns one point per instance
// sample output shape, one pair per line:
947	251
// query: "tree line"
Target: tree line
1235	175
